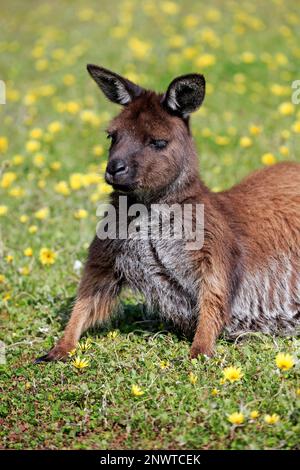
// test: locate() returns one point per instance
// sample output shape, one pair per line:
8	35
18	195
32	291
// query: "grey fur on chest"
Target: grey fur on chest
160	270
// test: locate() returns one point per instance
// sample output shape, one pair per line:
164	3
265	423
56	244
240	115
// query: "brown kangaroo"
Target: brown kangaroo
245	277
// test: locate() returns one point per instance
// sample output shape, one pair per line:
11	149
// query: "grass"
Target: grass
248	52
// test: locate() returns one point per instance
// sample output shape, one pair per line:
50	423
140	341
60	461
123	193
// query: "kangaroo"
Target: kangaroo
244	277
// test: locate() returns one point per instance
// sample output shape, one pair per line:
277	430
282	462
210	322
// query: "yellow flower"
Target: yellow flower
286	108
81	214
69	79
32	229
80	363
268	159
3	144
25	271
136	391
72	352
17	191
284	361
55	166
47	256
236	418
170	8
42	214
7	179
41	65
248	57
232	374
193	378
113	334
54	127
3	210
298	392
254	414
205	60
28	252
2	278
98	150
296	127
76	181
90	117
271	419
139	48
23	219
36	133
222	140
33	146
215	392
284	150
254	130
9	258
72	107
245	142
17	160
84	346
164	364
62	188
39	160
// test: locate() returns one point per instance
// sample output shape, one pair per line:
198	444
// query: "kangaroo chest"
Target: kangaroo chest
163	273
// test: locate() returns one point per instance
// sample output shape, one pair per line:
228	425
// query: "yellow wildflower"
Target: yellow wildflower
32	229
3	210
268	158
47	256
271	419
245	142
205	60
33	146
28	252
215	392
80	363
236	418
286	109
284	361
164	364
3	144
36	133
54	127
232	374
80	214
62	188
7	179
254	414
136	391
98	150
42	214
296	127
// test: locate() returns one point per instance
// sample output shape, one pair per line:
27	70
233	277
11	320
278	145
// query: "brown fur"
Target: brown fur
244	227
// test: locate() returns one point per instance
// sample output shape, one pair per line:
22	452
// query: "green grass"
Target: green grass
55	405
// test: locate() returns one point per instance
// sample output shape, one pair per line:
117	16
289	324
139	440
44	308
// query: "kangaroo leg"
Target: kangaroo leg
213	315
95	301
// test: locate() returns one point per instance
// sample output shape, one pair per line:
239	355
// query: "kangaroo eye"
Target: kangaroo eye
112	136
158	144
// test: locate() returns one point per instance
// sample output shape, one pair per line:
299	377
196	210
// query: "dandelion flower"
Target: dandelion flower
28	252
3	144
136	391
254	414
3	210
232	374
47	256
286	109
236	418
271	419
7	179
284	361
80	363
32	229
23	219
164	364
54	127
268	159
42	214
245	142
80	214
215	392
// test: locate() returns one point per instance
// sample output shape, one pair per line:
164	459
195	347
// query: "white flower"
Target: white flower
77	266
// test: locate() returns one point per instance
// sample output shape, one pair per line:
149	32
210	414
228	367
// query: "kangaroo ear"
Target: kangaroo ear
185	94
116	88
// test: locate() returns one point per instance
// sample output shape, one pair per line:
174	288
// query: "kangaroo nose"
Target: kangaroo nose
117	167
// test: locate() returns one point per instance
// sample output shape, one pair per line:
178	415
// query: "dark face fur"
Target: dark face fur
150	137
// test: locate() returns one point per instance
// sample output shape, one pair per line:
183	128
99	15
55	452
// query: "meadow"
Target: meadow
131	384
